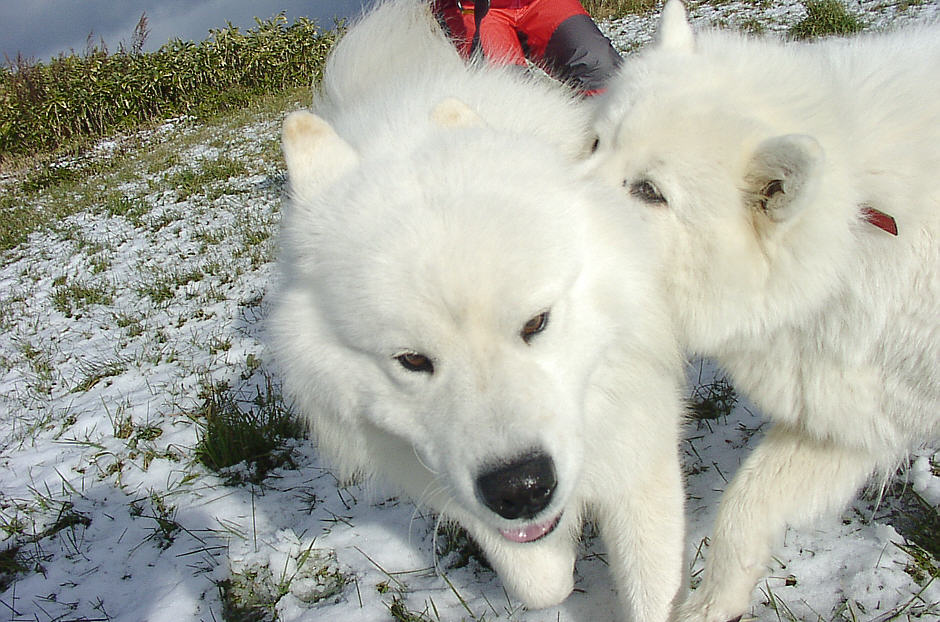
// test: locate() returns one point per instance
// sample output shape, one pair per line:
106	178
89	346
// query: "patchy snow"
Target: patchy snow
765	17
115	322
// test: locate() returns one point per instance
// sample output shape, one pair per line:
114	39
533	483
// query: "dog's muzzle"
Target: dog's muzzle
520	489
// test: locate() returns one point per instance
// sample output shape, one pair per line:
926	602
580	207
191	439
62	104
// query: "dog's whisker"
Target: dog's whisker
414	450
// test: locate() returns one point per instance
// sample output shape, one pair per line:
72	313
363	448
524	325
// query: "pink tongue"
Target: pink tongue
529	532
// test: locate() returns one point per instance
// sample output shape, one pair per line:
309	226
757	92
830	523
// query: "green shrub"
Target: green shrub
44	106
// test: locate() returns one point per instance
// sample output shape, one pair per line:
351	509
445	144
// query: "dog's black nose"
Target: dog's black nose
521	488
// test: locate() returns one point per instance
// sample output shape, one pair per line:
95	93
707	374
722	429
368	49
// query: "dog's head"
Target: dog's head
711	136
437	319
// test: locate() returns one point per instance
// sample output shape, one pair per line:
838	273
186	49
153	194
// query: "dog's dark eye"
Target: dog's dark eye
412	361
534	326
646	191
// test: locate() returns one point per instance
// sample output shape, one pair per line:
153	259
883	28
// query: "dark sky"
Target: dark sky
40	29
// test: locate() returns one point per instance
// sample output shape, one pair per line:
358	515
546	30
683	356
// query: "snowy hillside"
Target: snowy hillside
131	330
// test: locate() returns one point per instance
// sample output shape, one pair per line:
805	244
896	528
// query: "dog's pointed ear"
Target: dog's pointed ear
315	153
452	112
781	175
674	32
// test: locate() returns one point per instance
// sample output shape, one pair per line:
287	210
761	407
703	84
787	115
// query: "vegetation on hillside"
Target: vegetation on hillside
47	105
607	9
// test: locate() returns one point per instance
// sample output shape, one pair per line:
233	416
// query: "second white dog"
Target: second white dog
794	189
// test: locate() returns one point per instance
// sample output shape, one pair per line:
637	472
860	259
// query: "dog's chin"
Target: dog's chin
531	532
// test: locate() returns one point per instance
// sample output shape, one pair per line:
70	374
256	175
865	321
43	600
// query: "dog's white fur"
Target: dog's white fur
766	155
436	209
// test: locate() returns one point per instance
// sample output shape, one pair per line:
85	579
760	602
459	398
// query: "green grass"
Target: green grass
133	326
165	527
827	18
53	175
41	365
71	296
248	596
233	432
399	611
608	9
11	565
26	555
162	285
206	178
923	566
454	547
918	521
95	373
131	208
752	26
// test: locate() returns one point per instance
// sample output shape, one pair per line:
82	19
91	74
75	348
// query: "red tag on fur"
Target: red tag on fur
880	219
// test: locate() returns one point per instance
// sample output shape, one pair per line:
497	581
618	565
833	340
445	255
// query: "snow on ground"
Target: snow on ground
121	319
762	16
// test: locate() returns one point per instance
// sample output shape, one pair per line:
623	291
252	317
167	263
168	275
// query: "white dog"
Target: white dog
794	188
462	317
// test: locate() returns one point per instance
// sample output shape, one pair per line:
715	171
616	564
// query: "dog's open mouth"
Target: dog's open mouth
531	533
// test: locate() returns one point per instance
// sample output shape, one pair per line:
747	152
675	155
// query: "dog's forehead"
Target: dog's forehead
705	138
698	101
476	203
472	223
487	255
484	258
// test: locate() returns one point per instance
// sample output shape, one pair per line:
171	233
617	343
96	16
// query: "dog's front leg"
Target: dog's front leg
790	478
643	526
540	574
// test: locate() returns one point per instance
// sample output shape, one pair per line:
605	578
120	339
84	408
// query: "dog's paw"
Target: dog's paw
700	608
544	586
539	576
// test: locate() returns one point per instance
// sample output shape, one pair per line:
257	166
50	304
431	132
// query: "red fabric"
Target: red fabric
880	219
534	20
506	4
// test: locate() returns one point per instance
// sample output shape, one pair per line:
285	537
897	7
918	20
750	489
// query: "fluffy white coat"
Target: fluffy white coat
436	212
758	163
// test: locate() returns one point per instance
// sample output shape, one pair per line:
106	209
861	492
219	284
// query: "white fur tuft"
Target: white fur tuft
675	32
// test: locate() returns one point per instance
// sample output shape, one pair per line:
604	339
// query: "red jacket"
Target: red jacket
558	35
